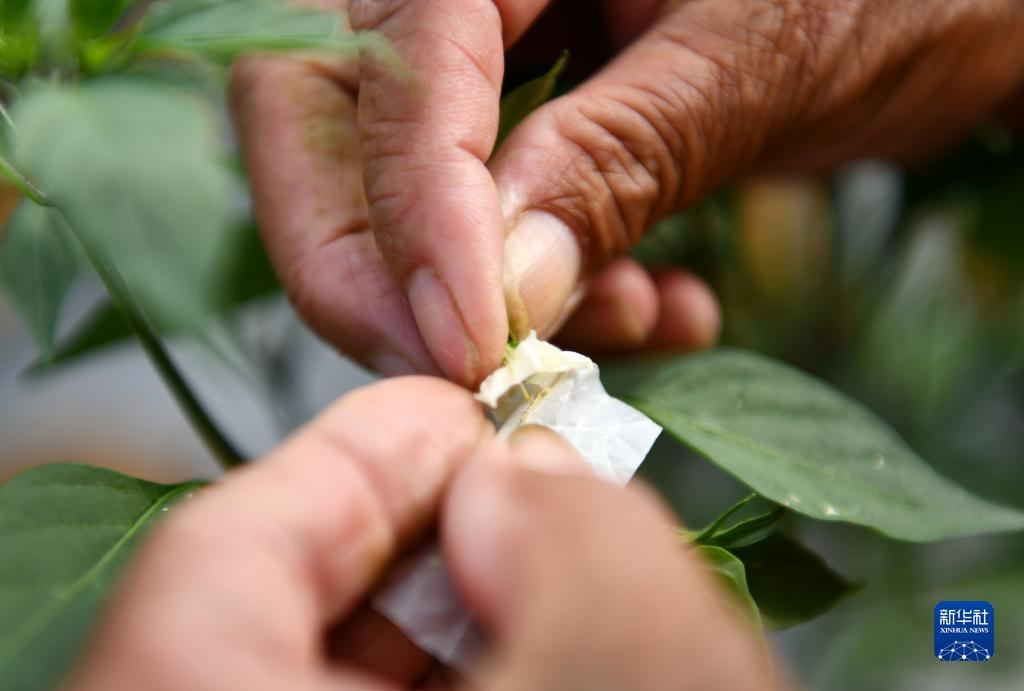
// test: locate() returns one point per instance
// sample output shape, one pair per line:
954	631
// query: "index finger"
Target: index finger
584	584
426	134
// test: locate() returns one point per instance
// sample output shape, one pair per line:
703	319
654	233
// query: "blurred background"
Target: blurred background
903	288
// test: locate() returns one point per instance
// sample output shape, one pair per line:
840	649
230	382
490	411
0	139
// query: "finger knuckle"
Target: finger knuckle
764	64
367	513
623	171
373	14
441	424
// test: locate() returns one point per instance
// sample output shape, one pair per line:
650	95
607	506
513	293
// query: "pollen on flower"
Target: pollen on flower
531	361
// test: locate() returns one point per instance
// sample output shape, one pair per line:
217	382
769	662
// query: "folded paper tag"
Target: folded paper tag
539	384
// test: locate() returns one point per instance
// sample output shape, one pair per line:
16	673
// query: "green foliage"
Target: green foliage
243	273
220	29
92	18
121	296
789	583
102	327
800	443
745	530
17	54
12	12
528	97
19	42
134	167
718	534
65	531
731	575
38	264
782	580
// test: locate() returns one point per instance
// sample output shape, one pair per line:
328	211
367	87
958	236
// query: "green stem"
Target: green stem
710	531
7	117
218	444
23	184
744	529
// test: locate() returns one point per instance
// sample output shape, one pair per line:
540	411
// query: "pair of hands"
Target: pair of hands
412	246
259	582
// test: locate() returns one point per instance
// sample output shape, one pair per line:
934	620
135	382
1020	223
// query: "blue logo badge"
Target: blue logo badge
964	631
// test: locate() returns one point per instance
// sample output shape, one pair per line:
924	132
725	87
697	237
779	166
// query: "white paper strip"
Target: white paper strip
538	385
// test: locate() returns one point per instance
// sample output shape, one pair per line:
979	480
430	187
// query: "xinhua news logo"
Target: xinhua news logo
964	631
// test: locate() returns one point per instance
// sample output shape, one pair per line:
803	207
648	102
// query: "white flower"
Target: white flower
532	361
543	385
538	385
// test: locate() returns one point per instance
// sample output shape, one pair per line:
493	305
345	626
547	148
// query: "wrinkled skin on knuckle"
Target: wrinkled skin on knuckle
649	147
625	163
753	68
607	182
808	84
895	79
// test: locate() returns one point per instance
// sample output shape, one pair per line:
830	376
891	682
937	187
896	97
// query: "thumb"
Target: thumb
583	177
584	585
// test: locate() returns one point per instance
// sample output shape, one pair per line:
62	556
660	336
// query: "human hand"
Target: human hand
465	243
259	582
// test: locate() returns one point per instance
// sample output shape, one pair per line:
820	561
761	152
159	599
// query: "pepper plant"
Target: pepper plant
112	138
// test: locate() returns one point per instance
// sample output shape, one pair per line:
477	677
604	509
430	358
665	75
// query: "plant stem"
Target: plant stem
7	117
200	420
744	529
215	440
23	184
710	531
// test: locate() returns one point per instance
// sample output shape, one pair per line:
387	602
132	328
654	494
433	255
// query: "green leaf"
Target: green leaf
102	327
135	169
92	18
243	273
800	443
528	97
205	427
12	12
732	575
65	532
789	583
38	264
18	53
220	29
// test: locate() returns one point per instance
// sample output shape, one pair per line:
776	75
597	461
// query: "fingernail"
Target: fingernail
542	449
441	325
542	268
